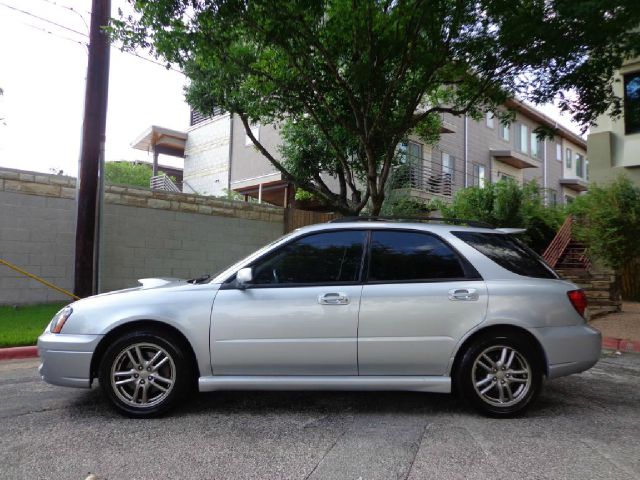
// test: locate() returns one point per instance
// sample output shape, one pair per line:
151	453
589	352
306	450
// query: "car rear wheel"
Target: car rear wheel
500	375
144	373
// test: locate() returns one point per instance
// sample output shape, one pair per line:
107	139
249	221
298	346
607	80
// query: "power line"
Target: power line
43	19
81	34
71	9
80	42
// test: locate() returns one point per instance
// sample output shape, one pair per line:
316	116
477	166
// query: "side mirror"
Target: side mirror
244	276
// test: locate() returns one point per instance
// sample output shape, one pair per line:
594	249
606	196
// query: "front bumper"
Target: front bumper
572	349
66	359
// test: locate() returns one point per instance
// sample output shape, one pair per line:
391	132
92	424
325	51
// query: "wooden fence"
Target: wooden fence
630	281
295	218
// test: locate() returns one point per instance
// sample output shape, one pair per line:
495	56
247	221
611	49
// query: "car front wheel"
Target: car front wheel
500	375
144	373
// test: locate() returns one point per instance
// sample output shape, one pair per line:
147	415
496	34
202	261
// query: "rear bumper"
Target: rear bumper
66	359
571	349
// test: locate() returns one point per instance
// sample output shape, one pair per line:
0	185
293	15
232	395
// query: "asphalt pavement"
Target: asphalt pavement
585	426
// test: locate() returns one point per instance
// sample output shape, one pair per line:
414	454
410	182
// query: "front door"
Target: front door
418	300
298	316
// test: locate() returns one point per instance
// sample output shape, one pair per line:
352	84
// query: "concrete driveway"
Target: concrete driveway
583	427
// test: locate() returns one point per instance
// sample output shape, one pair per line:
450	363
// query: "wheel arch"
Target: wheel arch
156	325
497	329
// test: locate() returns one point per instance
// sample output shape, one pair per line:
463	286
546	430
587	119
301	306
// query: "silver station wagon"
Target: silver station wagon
348	305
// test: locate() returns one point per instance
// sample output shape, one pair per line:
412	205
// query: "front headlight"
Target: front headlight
59	318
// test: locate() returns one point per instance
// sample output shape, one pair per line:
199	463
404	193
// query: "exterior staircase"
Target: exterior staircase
569	258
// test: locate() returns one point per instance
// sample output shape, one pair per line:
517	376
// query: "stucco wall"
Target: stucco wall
145	234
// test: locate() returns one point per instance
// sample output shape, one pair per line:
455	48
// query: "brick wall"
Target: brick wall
145	233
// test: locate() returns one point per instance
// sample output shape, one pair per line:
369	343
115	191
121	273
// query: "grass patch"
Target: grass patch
21	326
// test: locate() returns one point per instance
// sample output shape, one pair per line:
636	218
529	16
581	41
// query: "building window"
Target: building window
580	165
448	165
568	158
414	151
568	199
479	175
559	151
552	198
586	169
505	176
522	138
534	145
490	117
255	130
632	103
504	131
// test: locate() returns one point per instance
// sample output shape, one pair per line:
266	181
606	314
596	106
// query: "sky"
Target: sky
42	73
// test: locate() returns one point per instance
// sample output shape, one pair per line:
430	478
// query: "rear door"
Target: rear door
419	298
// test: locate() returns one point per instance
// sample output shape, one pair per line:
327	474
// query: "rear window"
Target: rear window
509	253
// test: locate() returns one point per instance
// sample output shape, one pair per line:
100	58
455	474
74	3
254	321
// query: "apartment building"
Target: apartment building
614	145
220	157
469	153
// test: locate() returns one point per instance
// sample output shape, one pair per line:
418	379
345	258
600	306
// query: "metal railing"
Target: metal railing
428	177
163	182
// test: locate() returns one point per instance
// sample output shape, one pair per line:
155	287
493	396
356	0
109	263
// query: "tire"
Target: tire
147	386
500	375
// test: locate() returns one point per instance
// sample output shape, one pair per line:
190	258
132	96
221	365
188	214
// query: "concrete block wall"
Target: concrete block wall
145	234
37	234
179	236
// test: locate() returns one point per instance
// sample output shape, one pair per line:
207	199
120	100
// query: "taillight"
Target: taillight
579	300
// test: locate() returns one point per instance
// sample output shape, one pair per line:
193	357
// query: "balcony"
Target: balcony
513	158
426	180
575	184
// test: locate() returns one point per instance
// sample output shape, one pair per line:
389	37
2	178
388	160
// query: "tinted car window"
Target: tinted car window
411	256
331	257
509	253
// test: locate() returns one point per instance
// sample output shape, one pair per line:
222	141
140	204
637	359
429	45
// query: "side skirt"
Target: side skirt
434	384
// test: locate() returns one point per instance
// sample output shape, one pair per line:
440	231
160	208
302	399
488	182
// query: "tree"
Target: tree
126	173
376	70
506	204
607	219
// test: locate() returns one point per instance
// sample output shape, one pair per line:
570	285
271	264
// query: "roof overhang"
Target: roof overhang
575	184
272	192
512	158
161	140
540	117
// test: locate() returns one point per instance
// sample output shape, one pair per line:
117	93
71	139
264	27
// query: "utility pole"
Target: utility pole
92	150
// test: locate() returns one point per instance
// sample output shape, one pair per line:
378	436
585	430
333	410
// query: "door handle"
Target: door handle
333	299
463	294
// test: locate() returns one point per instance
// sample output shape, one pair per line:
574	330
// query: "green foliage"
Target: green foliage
22	325
403	206
365	74
125	173
233	195
607	219
303	196
506	204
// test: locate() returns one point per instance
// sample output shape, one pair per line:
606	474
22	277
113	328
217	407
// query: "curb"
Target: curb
14	353
621	345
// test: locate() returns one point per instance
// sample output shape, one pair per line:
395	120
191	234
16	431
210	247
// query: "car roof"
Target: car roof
395	225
